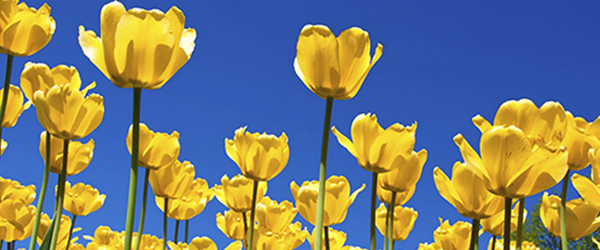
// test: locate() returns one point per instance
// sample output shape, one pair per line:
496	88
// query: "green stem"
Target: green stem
373	209
563	209
252	211
71	232
323	174
166	206
38	211
493	242
62	179
391	211
137	96
176	231
326	231
245	226
187	227
9	61
475	235
387	228
520	223
138	239
507	217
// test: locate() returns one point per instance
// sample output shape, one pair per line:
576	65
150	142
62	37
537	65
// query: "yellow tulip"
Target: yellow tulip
66	114
38	76
494	225
82	199
14	106
236	193
352	248
236	245
548	124
259	156
24	30
16	220
292	237
148	242
13	190
385	196
138	48
173	180
581	217
511	164
274	217
105	239
590	189
80	155
337	199
404	176
404	220
337	239
63	232
334	66
231	224
453	237
378	150
3	146
580	138
197	243
156	149
427	246
525	245
191	203
467	193
596	242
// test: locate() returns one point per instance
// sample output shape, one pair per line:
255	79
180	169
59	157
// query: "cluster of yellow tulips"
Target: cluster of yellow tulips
525	151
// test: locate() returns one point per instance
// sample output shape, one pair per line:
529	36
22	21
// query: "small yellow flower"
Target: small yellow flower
525	245
259	156
14	106
292	237
334	66
494	225
453	237
582	218
231	224
24	30
191	203
274	217
337	239
385	196
404	176
105	239
197	243
66	114
138	48
173	180
467	192
404	220
80	155
63	232
16	220
148	242
427	246
13	190
81	199
236	193
378	150
156	149
337	199
580	138
38	76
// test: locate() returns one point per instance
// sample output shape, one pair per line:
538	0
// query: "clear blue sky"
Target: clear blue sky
442	64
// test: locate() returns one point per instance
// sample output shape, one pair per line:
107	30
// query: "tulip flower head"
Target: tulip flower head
406	175
236	193
13	190
82	199
156	150
337	199
580	138
259	156
105	239
404	220
590	189
525	245
385	196
231	224
63	232
494	225
173	180
38	76
80	155
148	242
191	203
337	239
453	237
378	150
582	218
14	106
24	30
197	243
274	217
292	237
3	146
16	220
427	246
138	48
334	66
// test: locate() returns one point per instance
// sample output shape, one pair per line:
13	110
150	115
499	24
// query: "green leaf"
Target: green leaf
48	237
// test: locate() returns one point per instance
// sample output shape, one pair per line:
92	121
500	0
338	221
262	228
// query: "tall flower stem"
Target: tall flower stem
326	231
9	61
166	206
143	212
323	174
520	223
475	235
38	211
494	241
176	231
71	231
252	211
507	210
137	96
391	211
387	228
563	212
62	178
187	227
372	214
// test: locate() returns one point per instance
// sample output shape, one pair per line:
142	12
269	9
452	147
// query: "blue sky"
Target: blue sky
442	64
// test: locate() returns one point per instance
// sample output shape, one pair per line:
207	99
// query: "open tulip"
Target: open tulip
191	203
590	189
378	150
197	243
385	196
581	218
13	190
259	156
580	138
404	176
14	106
334	66
292	237
236	193
82	199
147	241
156	149
453	237
80	155
138	48
337	199
231	224
173	180
494	225
404	220
16	220
66	114
24	30
525	245
104	239
38	76
63	232
337	239
274	217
